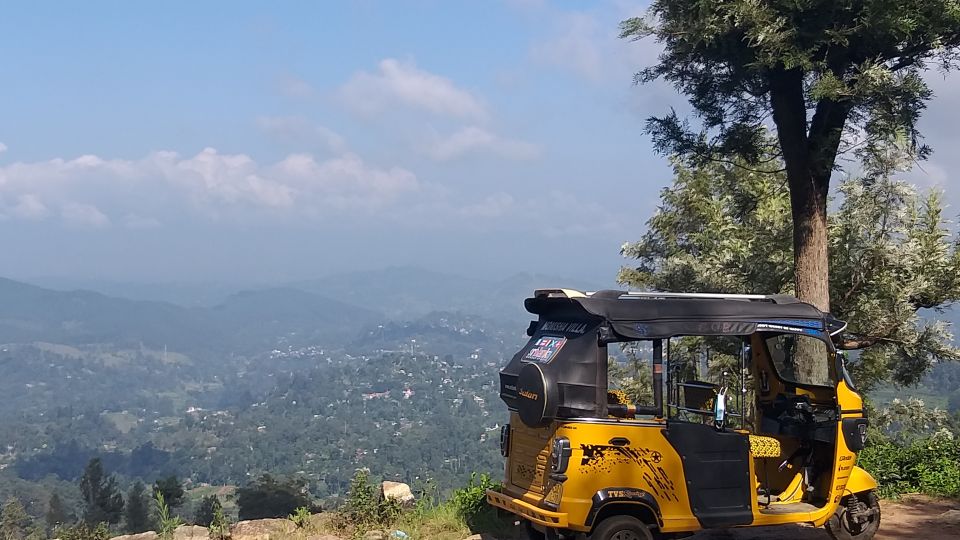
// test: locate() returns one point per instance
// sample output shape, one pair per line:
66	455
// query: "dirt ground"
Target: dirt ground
915	517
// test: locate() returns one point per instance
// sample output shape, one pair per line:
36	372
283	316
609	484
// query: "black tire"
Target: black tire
840	526
621	528
532	533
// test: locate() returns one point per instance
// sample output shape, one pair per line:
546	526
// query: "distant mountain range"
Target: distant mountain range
247	320
332	311
406	292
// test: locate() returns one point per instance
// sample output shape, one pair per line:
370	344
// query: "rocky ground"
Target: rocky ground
911	517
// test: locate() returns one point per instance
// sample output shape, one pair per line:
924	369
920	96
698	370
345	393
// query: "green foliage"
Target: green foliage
167	523
14	521
632	374
102	501
721	228
929	465
857	65
271	498
365	506
219	527
136	512
470	501
206	510
300	517
172	490
57	514
83	531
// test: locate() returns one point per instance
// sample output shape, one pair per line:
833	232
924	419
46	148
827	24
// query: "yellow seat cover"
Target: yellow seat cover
764	447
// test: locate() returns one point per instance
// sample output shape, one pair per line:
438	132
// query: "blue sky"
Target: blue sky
254	142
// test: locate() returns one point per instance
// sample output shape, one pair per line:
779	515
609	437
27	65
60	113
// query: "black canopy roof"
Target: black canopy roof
656	315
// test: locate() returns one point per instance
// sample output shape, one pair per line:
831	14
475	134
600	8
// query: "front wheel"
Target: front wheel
621	528
857	517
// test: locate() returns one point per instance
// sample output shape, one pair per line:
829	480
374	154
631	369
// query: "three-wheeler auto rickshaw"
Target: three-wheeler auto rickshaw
751	419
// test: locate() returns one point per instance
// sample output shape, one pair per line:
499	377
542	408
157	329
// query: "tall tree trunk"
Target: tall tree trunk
808	177
809	163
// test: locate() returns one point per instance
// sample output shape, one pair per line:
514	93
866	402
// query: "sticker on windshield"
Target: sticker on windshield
545	349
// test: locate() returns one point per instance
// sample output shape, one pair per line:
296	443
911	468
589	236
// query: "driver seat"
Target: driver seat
765	447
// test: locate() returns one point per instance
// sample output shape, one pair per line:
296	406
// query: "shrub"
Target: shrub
166	523
219	528
470	501
365	506
272	498
300	517
82	531
930	465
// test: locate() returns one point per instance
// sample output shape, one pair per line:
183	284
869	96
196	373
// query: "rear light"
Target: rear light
560	455
505	440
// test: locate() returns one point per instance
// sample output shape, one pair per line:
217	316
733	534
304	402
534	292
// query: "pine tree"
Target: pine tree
206	511
172	490
14	521
136	512
102	501
56	514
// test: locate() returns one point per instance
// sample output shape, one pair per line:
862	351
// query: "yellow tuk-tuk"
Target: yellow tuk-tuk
750	419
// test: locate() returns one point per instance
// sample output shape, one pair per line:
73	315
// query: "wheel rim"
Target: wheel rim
850	524
626	535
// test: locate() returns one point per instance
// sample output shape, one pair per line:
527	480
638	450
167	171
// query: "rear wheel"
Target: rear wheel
532	532
857	517
621	528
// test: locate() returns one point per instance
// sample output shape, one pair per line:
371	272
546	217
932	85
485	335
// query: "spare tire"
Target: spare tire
538	396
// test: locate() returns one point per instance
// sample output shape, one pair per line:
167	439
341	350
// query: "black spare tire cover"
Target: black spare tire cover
538	396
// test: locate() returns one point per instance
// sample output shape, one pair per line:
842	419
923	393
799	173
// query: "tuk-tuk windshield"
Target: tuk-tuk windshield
786	350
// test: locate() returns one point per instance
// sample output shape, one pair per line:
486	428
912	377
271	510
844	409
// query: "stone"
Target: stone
398	491
262	529
191	532
149	535
374	535
483	536
323	537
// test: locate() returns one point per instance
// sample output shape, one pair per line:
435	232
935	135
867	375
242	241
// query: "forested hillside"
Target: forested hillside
278	381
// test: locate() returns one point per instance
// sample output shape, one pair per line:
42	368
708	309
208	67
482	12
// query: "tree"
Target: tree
136	512
722	228
172	490
57	515
270	498
14	521
832	75
207	510
102	501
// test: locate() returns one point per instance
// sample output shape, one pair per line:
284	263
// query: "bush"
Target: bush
470	501
300	517
166	523
930	466
271	498
219	528
365	506
82	531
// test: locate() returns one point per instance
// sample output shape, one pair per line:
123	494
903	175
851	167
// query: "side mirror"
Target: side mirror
720	409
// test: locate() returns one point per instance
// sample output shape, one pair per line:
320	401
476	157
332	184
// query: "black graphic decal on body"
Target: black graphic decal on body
601	458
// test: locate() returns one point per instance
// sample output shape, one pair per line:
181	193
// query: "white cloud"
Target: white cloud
28	206
295	87
84	215
403	83
473	139
299	130
87	190
3	148
587	43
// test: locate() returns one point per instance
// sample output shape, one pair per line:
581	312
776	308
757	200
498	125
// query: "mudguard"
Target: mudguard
860	481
